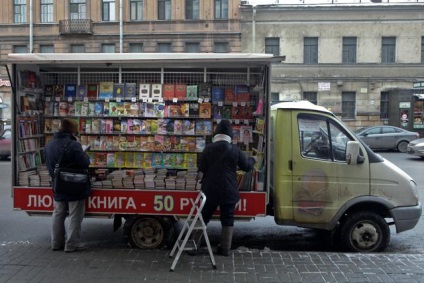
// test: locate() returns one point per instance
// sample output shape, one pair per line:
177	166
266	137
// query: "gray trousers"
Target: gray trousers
67	238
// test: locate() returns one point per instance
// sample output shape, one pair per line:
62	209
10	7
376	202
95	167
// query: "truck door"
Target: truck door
322	180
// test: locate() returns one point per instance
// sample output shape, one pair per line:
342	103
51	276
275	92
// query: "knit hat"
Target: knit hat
224	127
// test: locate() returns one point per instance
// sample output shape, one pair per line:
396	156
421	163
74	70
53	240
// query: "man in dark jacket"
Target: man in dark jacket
219	163
74	157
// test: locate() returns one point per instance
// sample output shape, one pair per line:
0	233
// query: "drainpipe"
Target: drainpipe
254	29
31	26
121	36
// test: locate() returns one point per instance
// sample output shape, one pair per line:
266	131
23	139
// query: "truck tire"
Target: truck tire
364	232
402	146
148	232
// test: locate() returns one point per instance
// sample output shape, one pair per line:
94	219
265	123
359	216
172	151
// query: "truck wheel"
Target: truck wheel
402	146
148	232
365	232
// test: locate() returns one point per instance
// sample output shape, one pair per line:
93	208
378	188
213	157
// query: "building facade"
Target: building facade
73	26
364	62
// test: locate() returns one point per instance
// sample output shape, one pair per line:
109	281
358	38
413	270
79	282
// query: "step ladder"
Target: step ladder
194	222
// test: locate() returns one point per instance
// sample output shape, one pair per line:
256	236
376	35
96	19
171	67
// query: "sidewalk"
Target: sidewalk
24	262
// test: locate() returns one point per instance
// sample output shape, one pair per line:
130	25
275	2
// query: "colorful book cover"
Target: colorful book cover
191	92
92	91
142	109
77	106
162	126
154	126
109	142
103	141
188	127
174	110
150	109
218	94
132	143
113	108
205	110
95	126
143	143
98	108
138	159
118	90
84	140
105	90
63	108
70	90
193	109
137	126
130	90
229	94
236	113
190	160
81	92
48	91
100	159
157	159
102	127
183	145
122	143
179	160
109	126
159	140
159	109
147	160
120	108
130	126
226	112
71	109
168	91
144	91
246	135
127	108
110	159
191	143
116	140
129	160
59	91
259	124
150	144
180	91
120	159
134	109
156	90
168	160
170	126
217	111
48	125
82	125
178	127
184	109
167	143
116	126
106	109
200	144
124	126
236	134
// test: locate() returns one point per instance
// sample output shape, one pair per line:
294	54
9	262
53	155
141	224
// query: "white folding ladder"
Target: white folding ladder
194	221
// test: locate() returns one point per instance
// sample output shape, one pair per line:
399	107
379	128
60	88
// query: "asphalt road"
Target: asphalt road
17	226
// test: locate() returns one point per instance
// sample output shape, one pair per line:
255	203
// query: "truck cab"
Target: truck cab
324	177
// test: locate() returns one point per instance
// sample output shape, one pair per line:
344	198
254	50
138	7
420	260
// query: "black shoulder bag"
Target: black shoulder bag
69	181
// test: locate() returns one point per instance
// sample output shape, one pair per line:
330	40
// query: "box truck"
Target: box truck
147	118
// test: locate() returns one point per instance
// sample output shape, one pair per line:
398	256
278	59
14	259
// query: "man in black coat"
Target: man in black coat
74	157
219	163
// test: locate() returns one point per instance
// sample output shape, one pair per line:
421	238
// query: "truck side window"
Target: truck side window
321	138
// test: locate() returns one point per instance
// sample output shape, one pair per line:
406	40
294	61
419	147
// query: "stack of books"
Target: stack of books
34	180
180	181
44	176
160	179
191	179
149	177
23	178
139	179
170	183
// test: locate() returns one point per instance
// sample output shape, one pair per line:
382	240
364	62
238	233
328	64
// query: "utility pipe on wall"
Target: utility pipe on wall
31	27
121	35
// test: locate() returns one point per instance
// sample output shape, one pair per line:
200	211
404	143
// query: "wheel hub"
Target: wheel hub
365	235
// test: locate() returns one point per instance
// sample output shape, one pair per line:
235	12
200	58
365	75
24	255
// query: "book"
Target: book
168	91
48	91
188	127
205	110
159	109
226	112
205	90
191	143
229	94
137	126
156	91
70	91
105	90
77	106
59	91
124	126
116	126
110	159
98	108
63	108
95	126
259	124
217	111
218	94
129	160
120	108
159	140
150	109
92	91
130	90
157	159
113	108
130	126
48	125
109	126
118	90
200	144
180	91
246	135
190	160
178	127
144	91
193	109
81	92
184	109
191	92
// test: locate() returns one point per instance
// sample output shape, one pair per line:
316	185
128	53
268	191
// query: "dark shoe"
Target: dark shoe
57	249
223	252
75	249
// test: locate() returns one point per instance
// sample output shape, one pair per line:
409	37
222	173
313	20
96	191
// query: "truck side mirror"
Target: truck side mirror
352	153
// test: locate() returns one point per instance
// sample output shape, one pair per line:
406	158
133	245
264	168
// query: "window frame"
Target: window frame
71	48
135	45
221	45
272	46
164	47
349	50
348	105
19	11
136	10
47	46
81	8
46	11
108	10
108	45
221	9
388	50
384	105
311	96
310	50
17	48
192	47
192	9
164	10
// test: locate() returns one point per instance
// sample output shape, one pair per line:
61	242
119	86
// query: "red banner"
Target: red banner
151	202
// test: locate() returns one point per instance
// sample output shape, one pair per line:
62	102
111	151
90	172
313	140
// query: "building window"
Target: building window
348	105
272	46
46	49
46	11
349	50
19	11
136	10
221	9
422	49
136	47
384	105
108	10
77	48
164	9
310	51
108	48
164	47
388	50
192	47
220	47
78	9
192	9
311	96
275	97
20	49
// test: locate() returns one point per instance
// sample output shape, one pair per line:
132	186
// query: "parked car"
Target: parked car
416	147
5	143
386	137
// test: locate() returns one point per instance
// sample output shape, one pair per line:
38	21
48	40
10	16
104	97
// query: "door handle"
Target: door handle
291	165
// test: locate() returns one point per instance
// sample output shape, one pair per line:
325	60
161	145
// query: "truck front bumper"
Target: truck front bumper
406	217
